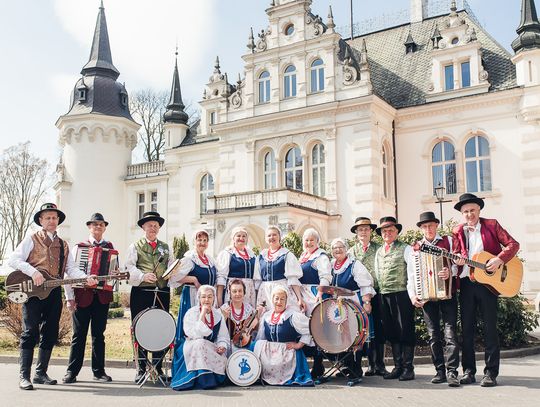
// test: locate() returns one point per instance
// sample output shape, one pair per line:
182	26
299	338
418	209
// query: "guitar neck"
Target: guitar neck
56	283
469	262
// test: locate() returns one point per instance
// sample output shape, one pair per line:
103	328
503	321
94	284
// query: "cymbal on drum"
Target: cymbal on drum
335	291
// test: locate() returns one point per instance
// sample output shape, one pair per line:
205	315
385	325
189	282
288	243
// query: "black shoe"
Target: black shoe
408	374
371	371
43	378
488	381
25	384
440	377
467	378
381	371
102	377
394	374
452	379
69	378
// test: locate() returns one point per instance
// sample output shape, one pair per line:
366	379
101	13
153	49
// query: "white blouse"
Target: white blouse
360	275
298	320
223	260
187	264
322	265
194	328
293	270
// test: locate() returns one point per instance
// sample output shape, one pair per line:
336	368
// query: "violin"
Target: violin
242	338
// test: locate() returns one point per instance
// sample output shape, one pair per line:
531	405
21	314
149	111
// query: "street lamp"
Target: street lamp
439	194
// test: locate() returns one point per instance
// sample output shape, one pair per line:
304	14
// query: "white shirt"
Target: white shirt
475	245
188	262
360	275
18	259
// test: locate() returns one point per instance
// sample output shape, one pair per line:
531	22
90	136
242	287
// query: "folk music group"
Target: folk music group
272	295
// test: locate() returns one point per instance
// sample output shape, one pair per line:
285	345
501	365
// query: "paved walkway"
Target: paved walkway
519	384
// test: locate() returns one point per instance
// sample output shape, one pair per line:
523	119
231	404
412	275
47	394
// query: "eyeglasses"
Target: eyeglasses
338	248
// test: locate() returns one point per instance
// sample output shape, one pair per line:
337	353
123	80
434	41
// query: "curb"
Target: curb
418	360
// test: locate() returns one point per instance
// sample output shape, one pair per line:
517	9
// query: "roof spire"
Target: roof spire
175	109
529	28
251	41
100	61
410	45
330	23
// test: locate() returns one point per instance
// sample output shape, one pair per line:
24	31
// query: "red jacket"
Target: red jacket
495	238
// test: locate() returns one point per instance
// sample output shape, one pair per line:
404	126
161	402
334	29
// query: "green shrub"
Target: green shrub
116	301
180	246
115	313
293	242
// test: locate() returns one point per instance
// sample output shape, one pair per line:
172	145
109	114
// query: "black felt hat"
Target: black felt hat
97	217
49	207
468	198
148	216
386	222
426	217
362	220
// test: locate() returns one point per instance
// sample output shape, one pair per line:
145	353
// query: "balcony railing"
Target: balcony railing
266	199
145	169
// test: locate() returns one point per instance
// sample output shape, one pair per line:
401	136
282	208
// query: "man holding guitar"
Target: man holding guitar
474	236
89	305
40	252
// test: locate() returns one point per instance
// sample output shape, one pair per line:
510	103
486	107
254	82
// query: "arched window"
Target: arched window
269	170
289	82
318	170
293	169
264	87
206	191
385	172
477	164
317	76
443	167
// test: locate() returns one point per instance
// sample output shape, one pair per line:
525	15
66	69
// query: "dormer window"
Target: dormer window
82	94
289	30
449	77
465	74
123	98
213	118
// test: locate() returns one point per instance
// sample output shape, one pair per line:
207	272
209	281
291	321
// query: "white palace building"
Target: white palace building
319	130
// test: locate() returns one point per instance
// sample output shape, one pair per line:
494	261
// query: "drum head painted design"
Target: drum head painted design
329	336
171	270
337	313
154	329
243	368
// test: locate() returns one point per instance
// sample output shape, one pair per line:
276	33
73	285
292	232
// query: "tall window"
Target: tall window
317	76
269	170
449	77
153	201
465	74
293	169
289	82
264	87
206	191
443	167
140	204
385	172
317	167
477	164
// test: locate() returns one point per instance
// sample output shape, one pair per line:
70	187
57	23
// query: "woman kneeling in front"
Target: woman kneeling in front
282	334
201	349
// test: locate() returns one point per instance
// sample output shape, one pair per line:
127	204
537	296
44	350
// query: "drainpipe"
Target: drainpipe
395	168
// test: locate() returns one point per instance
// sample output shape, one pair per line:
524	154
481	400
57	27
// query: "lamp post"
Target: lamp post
439	194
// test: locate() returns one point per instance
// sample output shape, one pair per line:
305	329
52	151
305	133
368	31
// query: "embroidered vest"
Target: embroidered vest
273	270
147	260
240	268
392	269
367	259
284	332
310	275
205	275
45	256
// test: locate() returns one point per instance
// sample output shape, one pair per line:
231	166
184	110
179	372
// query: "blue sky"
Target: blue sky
45	43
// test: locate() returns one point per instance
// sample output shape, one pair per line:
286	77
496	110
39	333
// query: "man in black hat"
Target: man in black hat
476	235
397	311
41	256
147	260
364	250
434	311
89	306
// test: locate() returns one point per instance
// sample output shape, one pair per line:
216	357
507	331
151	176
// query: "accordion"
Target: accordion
428	285
97	261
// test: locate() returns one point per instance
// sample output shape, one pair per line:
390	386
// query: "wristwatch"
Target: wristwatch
367	302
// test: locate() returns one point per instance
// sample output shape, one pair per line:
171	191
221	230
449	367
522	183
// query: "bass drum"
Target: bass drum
154	329
337	325
243	368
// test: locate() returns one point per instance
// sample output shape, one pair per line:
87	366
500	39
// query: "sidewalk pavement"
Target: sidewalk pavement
519	383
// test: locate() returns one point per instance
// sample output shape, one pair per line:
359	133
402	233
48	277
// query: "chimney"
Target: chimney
418	10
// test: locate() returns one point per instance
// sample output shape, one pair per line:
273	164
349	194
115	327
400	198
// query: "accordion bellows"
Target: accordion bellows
428	285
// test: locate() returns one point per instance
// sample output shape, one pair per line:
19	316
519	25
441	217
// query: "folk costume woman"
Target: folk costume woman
200	355
351	274
316	269
239	315
196	269
279	267
282	334
237	262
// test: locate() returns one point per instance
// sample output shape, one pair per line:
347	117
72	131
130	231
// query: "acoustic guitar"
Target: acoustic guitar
505	281
20	287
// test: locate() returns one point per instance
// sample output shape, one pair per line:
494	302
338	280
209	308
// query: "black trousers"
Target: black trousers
376	316
473	296
446	310
95	316
398	318
41	319
140	299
